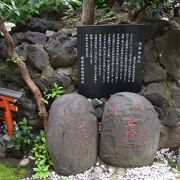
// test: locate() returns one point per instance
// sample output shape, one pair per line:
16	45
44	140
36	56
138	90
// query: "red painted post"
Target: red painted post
7	104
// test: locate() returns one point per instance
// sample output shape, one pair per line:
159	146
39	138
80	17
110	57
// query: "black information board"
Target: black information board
110	59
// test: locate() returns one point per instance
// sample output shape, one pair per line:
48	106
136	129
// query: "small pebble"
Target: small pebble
24	162
98	170
120	172
157	171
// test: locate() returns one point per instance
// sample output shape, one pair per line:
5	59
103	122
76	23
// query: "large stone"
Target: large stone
168	47
72	134
41	25
154	72
36	38
158	94
130	131
47	82
170	136
27	107
61	50
169	117
10	75
155	27
150	56
37	57
67	71
19	38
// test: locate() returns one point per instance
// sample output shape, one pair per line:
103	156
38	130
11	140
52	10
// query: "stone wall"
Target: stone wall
51	56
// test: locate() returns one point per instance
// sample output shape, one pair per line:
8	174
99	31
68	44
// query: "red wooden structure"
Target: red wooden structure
7	99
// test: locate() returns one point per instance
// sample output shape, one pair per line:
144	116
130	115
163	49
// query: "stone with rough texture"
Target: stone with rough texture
74	75
50	33
10	75
42	25
72	134
130	131
170	52
170	136
37	57
47	82
149	45
155	27
150	56
61	50
36	38
27	107
67	71
170	117
158	73
158	94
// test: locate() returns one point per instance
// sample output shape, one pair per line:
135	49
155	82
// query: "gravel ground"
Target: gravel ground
159	170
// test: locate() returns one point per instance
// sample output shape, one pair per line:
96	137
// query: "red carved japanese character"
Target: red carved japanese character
130	122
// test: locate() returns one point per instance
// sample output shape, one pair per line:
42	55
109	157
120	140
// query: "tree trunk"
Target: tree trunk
88	12
24	72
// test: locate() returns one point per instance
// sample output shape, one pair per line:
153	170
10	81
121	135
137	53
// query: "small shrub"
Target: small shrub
18	11
41	157
21	139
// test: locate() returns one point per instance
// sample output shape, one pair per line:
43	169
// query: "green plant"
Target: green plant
21	10
21	139
50	94
101	4
41	157
15	59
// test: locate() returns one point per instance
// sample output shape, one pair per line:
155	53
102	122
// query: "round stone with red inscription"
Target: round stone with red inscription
130	131
72	134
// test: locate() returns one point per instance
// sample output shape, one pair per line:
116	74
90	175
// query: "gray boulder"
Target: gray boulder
37	57
72	134
170	136
150	56
11	75
176	95
168	47
36	38
27	107
169	117
130	131
41	25
158	94
155	27
154	72
47	82
61	50
30	37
